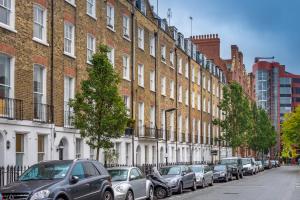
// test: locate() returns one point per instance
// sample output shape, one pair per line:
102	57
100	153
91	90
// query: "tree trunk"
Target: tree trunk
97	155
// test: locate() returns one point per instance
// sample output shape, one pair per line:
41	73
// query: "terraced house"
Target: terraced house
45	48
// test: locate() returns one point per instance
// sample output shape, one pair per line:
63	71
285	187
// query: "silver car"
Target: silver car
204	175
129	183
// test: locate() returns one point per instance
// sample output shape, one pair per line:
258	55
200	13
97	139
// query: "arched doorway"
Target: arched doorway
2	146
63	149
138	155
161	155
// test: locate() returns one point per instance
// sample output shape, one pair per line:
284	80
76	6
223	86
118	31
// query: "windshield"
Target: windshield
219	168
197	169
229	162
118	174
170	171
245	161
46	171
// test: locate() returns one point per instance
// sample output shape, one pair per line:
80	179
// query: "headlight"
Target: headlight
120	188
198	178
222	173
40	195
173	181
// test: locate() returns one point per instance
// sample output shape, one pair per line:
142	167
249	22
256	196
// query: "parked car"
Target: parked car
267	164
161	187
277	163
235	163
204	175
273	163
129	183
179	177
249	166
62	180
222	173
260	166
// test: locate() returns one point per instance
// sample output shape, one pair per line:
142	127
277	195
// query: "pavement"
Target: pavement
281	183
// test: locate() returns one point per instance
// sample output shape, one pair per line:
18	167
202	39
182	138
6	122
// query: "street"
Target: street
276	184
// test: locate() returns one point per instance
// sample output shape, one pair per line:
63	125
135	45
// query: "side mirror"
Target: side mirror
74	179
183	173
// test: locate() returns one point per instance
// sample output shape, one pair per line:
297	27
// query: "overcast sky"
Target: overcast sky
259	27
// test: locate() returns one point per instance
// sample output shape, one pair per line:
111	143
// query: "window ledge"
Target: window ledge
72	4
9	28
152	55
69	55
142	86
40	41
93	17
126	79
152	90
141	48
127	38
110	28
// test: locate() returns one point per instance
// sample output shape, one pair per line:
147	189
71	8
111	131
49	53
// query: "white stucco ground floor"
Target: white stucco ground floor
24	143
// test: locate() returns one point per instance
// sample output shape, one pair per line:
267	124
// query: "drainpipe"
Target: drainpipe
190	107
155	99
176	102
201	114
52	80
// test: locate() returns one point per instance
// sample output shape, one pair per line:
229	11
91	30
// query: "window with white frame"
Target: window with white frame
141	75
172	126
198	130
7	14
203	81
172	89
91	7
111	56
186	70
152	81
90	47
172	58
141	38
126	69
141	118
217	91
39	89
41	147
126	24
152	45
163	86
180	125
69	93
193	129
186	97
208	85
213	89
198	102
187	126
193	73
19	149
204	104
180	66
199	77
39	23
143	7
92	153
152	117
78	153
208	132
127	103
110	16
162	119
69	38
179	93
163	53
204	132
208	106
5	81
193	99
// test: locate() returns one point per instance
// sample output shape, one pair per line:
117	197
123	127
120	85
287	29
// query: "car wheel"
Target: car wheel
242	175
211	182
151	194
194	187
108	195
129	195
160	193
180	188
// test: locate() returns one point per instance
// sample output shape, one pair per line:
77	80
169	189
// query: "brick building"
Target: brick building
45	47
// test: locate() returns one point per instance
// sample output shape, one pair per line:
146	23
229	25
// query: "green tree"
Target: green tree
236	110
100	113
291	127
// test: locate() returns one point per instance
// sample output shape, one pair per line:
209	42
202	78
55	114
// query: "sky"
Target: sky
260	28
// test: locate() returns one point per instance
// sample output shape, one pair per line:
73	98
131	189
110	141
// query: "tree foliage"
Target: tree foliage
100	113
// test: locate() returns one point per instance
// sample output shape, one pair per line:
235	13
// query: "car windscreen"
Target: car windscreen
46	171
197	169
118	174
170	171
219	168
246	161
229	162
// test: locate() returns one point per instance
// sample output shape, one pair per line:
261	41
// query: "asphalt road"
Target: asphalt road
276	184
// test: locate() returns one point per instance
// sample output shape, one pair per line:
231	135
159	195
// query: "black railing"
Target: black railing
10	174
11	108
42	113
146	132
68	116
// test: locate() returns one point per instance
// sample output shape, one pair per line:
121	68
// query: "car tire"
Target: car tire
129	195
180	188
151	194
211	182
108	195
194	187
161	193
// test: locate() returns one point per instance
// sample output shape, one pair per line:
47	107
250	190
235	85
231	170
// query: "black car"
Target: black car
235	163
222	173
61	180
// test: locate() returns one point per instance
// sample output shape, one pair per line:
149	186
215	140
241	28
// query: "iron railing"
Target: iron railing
10	174
42	113
68	116
11	108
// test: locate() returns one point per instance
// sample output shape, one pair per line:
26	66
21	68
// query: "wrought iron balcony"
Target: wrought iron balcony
68	116
42	113
11	108
146	132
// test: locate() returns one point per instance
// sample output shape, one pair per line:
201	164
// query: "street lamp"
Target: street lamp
166	134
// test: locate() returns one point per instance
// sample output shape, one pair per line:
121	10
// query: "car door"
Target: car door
190	176
206	175
184	176
138	183
79	190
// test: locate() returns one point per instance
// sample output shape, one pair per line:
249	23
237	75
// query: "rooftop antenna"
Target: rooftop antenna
191	18
169	15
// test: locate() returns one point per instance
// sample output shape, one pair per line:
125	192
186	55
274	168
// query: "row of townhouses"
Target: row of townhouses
45	48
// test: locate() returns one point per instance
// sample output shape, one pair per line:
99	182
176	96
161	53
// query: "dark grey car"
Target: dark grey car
61	180
179	177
